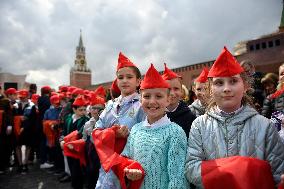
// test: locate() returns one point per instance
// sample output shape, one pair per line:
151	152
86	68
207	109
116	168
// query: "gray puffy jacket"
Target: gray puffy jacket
197	108
246	133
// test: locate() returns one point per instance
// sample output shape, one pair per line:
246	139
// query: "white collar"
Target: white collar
121	100
173	109
75	117
161	122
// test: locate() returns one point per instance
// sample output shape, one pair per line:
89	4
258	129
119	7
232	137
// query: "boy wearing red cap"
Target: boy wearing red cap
199	88
51	130
177	111
232	128
27	110
158	144
75	122
124	111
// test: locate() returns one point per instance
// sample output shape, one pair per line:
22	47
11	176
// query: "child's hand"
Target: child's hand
70	146
282	180
133	174
62	144
122	132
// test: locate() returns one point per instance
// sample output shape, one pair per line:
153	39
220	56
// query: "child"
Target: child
199	87
125	111
177	111
97	105
75	121
25	108
274	102
158	144
232	128
50	128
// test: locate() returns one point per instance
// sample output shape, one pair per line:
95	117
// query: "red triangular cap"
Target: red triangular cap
123	61
100	91
202	78
79	101
169	74
114	87
153	79
225	65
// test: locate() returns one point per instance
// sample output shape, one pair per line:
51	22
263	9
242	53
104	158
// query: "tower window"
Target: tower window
251	48
270	43
277	42
263	45
257	46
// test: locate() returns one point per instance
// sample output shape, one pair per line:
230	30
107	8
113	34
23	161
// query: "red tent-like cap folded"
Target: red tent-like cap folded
202	78
225	65
100	91
108	148
153	79
71	136
237	172
79	101
169	74
78	151
123	61
49	132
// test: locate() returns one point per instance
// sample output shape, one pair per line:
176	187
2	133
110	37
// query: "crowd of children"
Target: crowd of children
147	136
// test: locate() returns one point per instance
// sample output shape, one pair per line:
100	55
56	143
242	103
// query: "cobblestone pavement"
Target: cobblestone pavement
36	178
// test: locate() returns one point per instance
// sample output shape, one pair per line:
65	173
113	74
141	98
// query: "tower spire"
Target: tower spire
80	48
281	27
81	40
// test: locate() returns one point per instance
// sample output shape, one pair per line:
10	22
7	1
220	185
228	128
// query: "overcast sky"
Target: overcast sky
39	37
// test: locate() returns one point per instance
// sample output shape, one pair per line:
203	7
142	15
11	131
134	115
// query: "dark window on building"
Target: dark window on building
270	43
8	85
251	48
263	45
257	46
277	42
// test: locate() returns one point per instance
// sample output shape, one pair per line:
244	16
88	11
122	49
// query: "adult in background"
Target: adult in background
256	91
6	122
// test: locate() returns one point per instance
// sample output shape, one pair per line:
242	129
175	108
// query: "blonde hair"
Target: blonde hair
280	84
247	99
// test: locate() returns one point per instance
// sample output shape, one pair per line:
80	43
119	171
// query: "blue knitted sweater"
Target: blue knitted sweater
161	151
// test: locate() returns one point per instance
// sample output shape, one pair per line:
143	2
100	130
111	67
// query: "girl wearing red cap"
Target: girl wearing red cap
233	136
158	144
124	111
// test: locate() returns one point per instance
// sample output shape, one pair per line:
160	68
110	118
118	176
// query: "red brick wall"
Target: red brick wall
81	79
